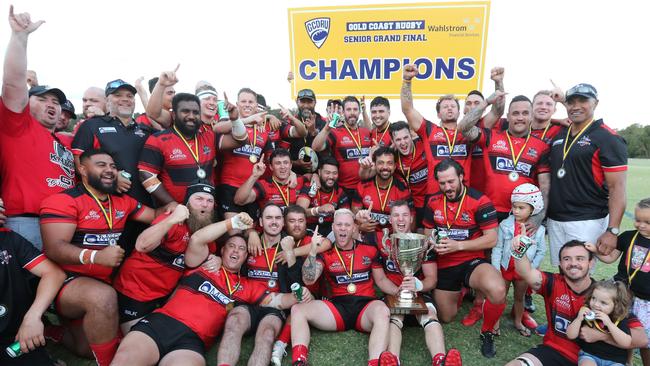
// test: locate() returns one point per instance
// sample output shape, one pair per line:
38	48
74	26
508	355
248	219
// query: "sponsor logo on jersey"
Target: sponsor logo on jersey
505	165
179	261
100	239
355	154
213	292
63	158
177	154
561	324
500	146
261	274
107	130
356	277
584	141
92	215
419	176
459	150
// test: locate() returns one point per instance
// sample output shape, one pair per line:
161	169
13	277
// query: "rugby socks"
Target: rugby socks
105	352
299	352
438	359
373	362
491	315
285	334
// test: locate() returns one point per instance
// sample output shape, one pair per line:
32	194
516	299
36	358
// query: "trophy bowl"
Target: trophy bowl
407	251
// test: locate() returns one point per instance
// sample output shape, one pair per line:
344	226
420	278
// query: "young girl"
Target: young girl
608	311
634	266
526	201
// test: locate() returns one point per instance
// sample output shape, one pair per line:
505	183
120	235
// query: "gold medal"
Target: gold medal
253	159
230	306
352	288
513	176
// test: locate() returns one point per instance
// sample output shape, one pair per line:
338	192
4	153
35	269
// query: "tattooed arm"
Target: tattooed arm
467	125
312	268
413	117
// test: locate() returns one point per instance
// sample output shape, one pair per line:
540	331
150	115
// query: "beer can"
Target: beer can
221	109
441	235
313	189
524	243
297	290
14	350
335	120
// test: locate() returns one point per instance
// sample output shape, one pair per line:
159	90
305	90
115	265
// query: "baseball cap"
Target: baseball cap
306	94
113	86
198	187
582	89
44	89
69	107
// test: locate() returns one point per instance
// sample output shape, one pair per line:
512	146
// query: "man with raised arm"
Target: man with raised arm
347	268
348	143
34	164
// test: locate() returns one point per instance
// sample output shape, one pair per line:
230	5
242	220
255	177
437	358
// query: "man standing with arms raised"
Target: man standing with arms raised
588	174
348	143
34	164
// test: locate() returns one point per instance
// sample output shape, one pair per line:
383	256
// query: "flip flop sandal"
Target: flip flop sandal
523	331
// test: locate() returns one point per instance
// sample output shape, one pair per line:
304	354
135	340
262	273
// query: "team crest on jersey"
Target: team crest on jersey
584	141
63	158
138	132
532	152
318	29
367	200
177	154
464	217
500	145
366	260
92	215
4	257
206	150
119	214
186	237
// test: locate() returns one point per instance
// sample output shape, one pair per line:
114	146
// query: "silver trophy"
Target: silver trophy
407	251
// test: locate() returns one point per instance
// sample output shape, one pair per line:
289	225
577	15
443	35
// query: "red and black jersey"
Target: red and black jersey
77	206
582	193
277	139
33	163
336	197
440	141
166	155
562	306
65	138
257	268
143	119
545	134
368	192
383	138
269	191
17	257
149	276
201	298
346	151
499	163
476	214
391	269
237	167
414	170
366	258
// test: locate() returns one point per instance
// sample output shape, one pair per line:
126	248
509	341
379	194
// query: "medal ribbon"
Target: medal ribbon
195	152
230	289
286	198
530	130
349	273
382	204
565	150
401	167
515	159
108	216
329	200
357	141
452	143
630	277
377	135
254	141
266	256
460	208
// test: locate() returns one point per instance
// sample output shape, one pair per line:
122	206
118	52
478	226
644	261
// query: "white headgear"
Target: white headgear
530	194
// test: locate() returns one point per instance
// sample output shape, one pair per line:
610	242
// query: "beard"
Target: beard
187	131
196	222
96	182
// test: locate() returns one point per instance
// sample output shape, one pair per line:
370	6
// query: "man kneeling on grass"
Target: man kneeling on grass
182	330
347	267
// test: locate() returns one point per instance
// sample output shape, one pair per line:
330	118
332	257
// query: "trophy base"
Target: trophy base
397	307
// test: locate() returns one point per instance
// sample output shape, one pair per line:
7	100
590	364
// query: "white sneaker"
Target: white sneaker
279	351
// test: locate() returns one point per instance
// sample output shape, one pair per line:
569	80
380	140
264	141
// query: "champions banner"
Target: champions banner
360	50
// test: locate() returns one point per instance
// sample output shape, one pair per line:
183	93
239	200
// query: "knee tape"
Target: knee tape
398	323
525	361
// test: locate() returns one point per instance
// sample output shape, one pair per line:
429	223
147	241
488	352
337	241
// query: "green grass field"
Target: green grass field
350	348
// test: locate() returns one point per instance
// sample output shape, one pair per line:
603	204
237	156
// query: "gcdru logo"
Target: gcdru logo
318	29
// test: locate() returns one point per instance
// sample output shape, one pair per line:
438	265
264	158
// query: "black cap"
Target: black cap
582	89
44	89
115	85
306	94
69	107
198	186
